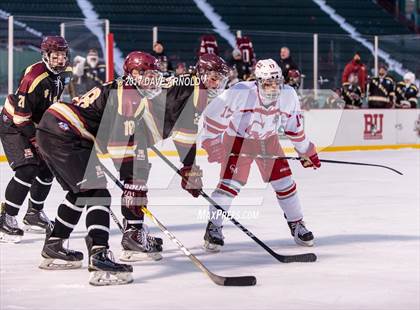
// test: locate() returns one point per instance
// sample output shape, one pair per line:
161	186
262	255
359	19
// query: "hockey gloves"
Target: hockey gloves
215	149
310	157
134	196
193	174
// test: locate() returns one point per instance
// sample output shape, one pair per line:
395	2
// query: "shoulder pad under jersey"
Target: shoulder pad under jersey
33	75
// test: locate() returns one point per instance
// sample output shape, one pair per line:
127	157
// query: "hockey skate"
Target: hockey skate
301	234
103	269
56	257
36	221
213	238
138	245
9	229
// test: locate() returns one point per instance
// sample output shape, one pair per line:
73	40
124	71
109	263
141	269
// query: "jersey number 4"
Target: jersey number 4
87	99
21	101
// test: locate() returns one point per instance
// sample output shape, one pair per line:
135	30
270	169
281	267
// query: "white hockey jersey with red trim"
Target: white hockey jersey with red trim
238	111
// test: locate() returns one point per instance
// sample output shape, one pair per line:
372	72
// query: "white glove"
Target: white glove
78	65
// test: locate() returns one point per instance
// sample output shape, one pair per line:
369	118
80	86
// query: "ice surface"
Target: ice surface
365	220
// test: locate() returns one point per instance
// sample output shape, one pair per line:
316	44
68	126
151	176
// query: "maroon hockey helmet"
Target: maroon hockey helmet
293	74
211	62
213	72
140	61
148	79
52	44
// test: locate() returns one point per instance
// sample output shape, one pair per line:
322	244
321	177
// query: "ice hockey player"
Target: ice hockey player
381	90
40	86
352	93
241	126
175	113
69	136
406	92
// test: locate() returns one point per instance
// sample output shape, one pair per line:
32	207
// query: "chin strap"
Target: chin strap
46	62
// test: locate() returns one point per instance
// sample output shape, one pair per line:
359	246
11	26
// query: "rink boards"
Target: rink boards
346	130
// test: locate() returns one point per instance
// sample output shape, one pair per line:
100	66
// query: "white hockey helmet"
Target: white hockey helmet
409	77
269	80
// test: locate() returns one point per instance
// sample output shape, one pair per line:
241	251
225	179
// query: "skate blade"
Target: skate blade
103	278
34	229
136	256
309	243
211	247
5	238
59	264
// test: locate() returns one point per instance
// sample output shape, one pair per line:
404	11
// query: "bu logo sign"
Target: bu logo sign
373	126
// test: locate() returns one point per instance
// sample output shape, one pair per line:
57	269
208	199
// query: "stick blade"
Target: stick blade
240	281
233	281
300	258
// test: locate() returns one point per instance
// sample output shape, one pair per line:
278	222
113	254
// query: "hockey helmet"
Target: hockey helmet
213	72
143	70
55	53
269	80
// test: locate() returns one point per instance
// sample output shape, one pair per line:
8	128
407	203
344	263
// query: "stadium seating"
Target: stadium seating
270	25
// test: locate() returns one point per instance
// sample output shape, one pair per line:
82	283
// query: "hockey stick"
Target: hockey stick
219	280
116	221
307	257
321	160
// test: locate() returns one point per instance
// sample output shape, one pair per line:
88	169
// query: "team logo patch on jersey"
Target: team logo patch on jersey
233	169
63	126
141	155
27	153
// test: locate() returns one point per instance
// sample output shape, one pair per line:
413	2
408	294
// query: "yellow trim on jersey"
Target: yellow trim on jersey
72	117
378	98
37	81
120	88
8	107
28	69
196	92
183	137
122	151
17	119
141	107
150	122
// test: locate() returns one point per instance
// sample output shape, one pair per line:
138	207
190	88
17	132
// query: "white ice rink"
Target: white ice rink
365	221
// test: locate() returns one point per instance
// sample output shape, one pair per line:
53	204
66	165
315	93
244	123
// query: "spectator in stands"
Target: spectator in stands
406	92
181	68
334	101
208	45
381	89
88	73
165	63
243	69
286	62
352	93
356	66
